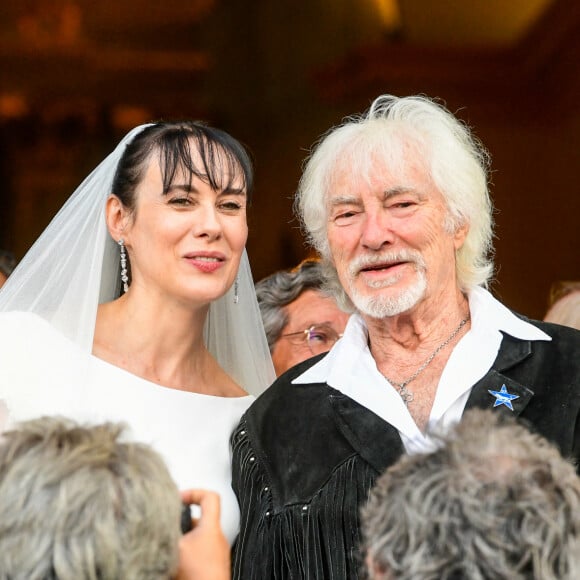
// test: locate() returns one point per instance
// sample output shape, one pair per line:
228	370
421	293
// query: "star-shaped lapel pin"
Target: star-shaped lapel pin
502	397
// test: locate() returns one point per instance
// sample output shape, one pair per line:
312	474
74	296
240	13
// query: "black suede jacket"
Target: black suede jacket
306	456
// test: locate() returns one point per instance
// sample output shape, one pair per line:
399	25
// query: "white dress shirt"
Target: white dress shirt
350	368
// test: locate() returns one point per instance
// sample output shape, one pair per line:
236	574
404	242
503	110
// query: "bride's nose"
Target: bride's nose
206	222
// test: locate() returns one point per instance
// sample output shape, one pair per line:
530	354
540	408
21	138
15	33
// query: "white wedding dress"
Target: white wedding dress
44	373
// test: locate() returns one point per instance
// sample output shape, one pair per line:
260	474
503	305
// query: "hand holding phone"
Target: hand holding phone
204	552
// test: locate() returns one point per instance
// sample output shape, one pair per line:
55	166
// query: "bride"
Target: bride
137	304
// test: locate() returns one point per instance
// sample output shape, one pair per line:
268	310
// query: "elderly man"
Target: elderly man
300	320
494	501
396	203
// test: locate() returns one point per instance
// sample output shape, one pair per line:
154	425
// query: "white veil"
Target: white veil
74	266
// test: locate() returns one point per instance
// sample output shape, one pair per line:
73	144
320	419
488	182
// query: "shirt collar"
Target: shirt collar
486	312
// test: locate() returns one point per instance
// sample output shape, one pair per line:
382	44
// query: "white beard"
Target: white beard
381	305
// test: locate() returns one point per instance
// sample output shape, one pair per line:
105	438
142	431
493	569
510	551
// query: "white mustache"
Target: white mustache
390	257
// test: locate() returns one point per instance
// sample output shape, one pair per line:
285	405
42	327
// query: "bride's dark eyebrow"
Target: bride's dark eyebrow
191	189
233	191
185	188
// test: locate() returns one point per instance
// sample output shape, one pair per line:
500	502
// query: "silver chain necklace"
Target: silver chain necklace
407	395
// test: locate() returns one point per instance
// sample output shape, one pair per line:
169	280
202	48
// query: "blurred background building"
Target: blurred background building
76	74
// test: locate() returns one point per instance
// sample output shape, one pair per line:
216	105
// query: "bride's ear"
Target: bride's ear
117	217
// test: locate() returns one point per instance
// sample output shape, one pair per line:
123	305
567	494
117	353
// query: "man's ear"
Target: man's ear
460	234
117	217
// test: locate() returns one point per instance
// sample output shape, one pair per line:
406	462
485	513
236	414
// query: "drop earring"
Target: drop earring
236	296
124	277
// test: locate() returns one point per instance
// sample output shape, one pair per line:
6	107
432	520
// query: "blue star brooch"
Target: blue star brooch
502	397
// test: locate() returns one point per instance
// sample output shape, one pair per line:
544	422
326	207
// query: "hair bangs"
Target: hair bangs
208	154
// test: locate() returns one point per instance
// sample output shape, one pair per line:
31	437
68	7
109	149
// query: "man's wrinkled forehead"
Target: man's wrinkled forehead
378	174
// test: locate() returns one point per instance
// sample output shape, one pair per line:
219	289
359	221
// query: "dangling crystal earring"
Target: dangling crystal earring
236	297
124	277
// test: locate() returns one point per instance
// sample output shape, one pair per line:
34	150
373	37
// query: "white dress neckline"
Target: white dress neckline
43	373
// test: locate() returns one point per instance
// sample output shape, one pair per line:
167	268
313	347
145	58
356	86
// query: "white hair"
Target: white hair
391	131
78	501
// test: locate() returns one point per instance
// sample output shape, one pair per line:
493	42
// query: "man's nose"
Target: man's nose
377	229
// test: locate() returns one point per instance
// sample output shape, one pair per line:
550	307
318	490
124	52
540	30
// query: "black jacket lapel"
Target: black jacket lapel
496	390
375	440
500	393
379	443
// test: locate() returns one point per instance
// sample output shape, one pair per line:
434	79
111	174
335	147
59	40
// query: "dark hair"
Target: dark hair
221	158
7	262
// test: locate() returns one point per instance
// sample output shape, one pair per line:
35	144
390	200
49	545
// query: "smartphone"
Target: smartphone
186	525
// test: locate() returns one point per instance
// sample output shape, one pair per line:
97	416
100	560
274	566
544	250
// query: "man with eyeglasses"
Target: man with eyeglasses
300	320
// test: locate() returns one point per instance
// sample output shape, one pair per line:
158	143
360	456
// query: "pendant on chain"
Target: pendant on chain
405	393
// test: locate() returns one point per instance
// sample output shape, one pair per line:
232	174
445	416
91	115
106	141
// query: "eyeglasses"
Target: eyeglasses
319	338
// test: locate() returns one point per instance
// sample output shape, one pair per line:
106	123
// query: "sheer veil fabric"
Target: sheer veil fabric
74	266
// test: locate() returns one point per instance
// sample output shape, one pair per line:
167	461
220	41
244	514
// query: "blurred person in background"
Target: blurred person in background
300	320
564	304
7	265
